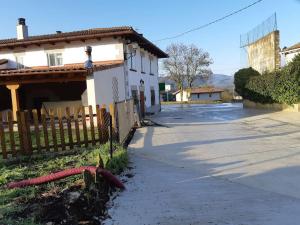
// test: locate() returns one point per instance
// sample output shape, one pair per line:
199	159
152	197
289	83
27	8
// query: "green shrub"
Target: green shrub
281	86
286	88
259	88
241	78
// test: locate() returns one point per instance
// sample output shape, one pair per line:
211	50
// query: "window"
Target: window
20	62
151	59
142	63
134	95
55	59
152	97
132	59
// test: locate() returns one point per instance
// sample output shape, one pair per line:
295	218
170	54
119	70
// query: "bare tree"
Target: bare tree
174	65
186	63
196	64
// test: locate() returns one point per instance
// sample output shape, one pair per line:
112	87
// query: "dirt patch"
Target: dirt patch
75	205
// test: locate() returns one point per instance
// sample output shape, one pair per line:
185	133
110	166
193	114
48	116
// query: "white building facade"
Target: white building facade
290	53
126	62
199	94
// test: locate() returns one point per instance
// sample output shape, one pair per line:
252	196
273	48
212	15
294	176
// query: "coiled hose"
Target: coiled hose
66	173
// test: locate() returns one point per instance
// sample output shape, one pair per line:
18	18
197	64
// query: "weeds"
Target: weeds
13	201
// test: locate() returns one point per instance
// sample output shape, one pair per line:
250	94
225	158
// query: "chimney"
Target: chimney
22	29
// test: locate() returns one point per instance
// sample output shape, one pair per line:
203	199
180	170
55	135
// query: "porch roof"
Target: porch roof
71	72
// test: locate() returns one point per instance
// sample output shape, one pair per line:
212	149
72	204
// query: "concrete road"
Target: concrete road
214	164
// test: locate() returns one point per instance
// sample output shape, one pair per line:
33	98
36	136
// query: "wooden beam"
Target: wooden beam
14	99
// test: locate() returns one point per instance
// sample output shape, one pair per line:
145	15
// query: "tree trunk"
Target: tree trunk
181	94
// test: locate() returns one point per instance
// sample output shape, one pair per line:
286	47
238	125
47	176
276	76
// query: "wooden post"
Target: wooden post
99	123
85	134
103	124
37	129
92	127
14	98
77	128
11	133
27	118
45	131
61	130
112	110
69	125
25	134
2	138
113	114
20	132
53	130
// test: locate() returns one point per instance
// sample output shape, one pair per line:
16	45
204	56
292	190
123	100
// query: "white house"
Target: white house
290	52
199	94
95	66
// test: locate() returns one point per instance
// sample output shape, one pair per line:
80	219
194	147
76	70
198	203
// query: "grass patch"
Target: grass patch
13	201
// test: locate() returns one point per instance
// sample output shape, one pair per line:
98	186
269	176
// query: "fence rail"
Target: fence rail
36	132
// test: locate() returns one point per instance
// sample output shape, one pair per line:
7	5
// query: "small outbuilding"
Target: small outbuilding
200	94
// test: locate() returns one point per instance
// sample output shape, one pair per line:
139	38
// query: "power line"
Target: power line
210	23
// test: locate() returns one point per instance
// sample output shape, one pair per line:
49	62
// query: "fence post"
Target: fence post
45	131
27	118
69	125
85	134
103	125
61	129
20	133
110	136
92	127
36	129
113	113
99	123
11	132
2	138
53	130
25	134
77	128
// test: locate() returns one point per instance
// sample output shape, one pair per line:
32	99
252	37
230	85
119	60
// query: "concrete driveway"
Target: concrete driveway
214	164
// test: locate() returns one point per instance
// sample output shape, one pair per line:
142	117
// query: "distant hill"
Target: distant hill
216	80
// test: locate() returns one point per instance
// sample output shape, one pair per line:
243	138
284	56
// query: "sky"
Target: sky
158	19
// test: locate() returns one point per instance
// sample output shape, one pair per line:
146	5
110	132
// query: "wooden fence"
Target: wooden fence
37	132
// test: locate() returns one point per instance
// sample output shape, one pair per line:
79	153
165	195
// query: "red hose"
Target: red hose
66	173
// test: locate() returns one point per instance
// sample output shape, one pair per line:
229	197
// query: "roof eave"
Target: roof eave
25	42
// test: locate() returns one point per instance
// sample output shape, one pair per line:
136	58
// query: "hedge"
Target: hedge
241	78
281	86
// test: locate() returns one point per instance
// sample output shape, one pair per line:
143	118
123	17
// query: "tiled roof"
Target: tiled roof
72	68
125	31
293	47
204	90
48	37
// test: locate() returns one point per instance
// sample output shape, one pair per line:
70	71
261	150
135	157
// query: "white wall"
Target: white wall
185	96
206	96
150	81
290	56
104	50
100	87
